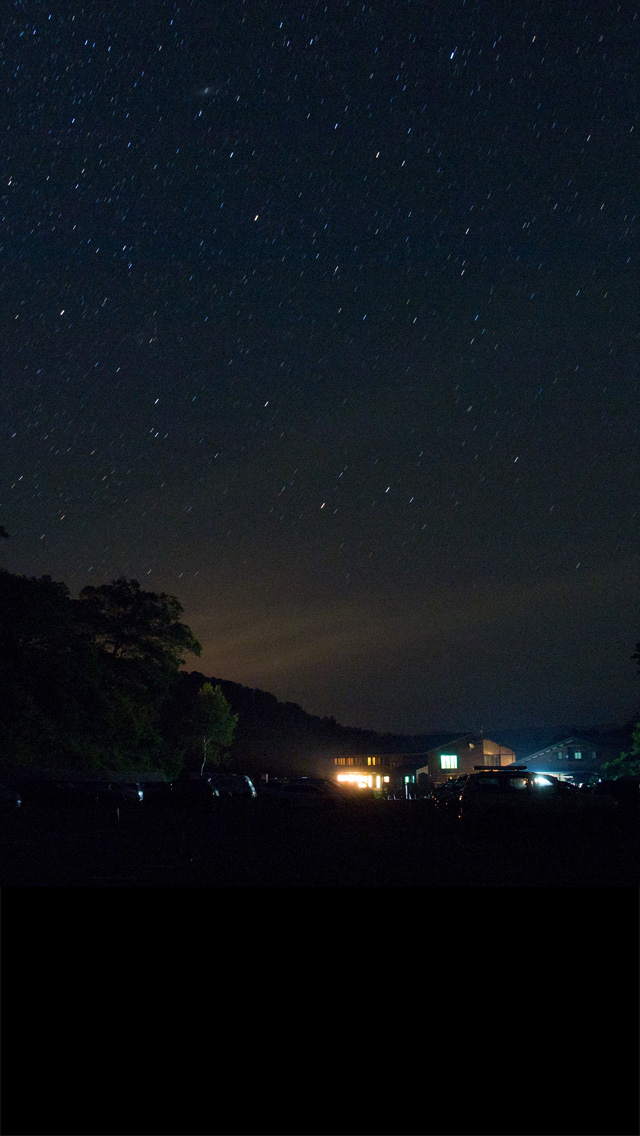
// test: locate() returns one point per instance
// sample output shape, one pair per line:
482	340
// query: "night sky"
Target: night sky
323	317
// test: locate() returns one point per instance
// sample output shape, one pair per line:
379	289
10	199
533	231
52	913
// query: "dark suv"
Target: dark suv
515	793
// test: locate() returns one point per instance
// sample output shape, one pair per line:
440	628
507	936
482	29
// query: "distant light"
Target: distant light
359	779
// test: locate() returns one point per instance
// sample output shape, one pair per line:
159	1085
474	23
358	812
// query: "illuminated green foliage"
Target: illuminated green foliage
209	725
628	764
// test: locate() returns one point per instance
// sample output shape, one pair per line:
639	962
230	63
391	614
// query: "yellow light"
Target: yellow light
359	779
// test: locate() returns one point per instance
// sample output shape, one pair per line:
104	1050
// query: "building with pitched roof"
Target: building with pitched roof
577	759
460	756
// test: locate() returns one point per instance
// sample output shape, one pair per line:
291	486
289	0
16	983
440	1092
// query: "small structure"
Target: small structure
575	759
460	756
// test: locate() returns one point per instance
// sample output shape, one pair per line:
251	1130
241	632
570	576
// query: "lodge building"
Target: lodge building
452	758
460	756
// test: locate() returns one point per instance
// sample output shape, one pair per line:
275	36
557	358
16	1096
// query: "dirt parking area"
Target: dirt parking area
256	844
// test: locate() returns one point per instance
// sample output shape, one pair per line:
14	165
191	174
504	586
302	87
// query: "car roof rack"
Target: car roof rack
501	768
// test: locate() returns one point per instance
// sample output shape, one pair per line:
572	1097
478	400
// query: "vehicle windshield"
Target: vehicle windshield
491	782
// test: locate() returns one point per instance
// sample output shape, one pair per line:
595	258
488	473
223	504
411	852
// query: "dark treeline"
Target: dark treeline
94	683
281	738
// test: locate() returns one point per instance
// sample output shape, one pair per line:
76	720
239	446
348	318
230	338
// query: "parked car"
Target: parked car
10	798
46	791
78	792
447	796
312	792
233	785
108	792
625	791
191	793
513	794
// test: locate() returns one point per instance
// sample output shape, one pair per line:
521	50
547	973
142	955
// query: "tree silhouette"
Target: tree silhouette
84	682
134	624
627	764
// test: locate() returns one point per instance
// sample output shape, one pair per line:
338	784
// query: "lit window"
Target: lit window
448	761
578	755
372	761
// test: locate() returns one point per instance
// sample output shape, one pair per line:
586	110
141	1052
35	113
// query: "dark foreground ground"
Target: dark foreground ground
260	844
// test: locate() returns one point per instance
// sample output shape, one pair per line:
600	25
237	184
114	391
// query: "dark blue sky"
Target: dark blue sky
324	318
